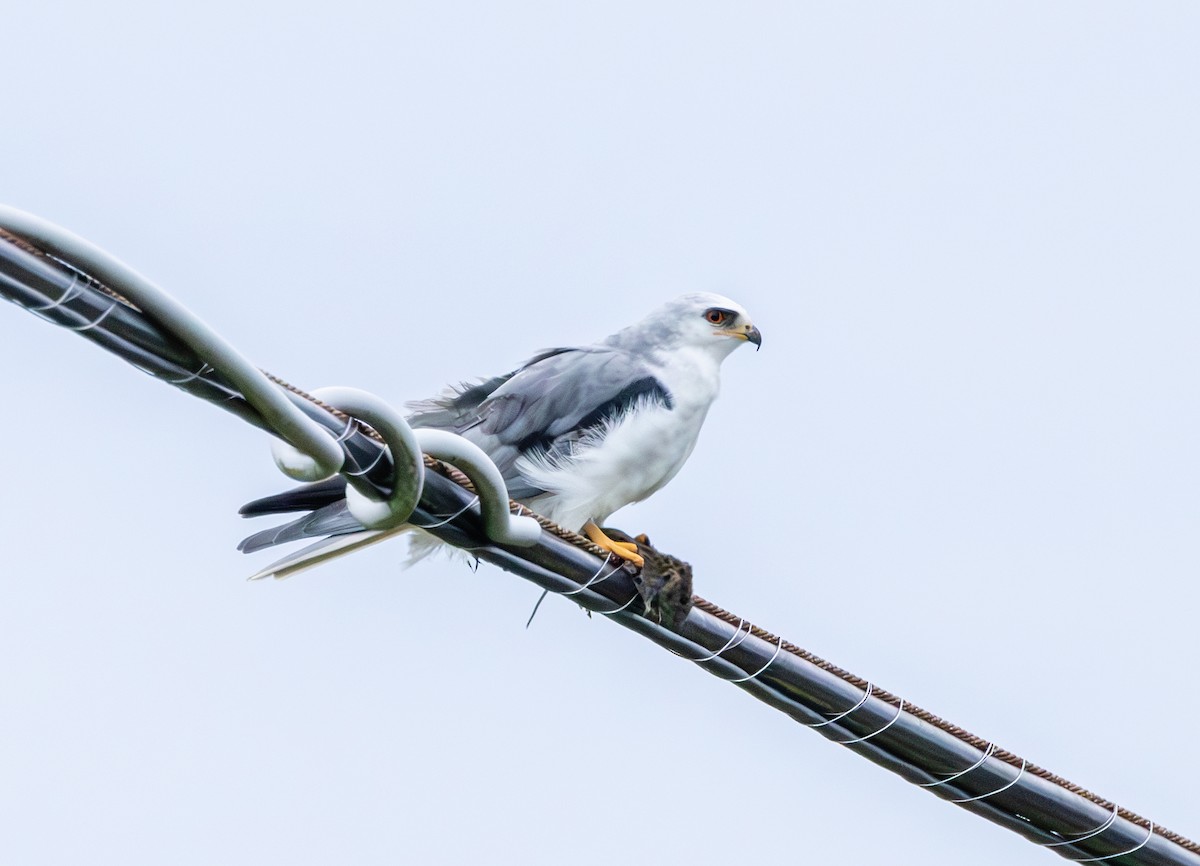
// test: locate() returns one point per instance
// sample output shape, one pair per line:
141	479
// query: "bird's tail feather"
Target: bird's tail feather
307	497
333	519
325	550
421	545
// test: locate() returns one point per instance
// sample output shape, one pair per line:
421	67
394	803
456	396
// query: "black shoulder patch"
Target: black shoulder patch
625	400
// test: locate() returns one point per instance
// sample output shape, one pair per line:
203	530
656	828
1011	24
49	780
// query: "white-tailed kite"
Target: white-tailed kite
576	432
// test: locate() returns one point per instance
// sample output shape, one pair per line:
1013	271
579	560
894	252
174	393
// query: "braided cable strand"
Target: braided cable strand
145	343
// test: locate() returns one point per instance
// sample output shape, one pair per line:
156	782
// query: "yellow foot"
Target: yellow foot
624	549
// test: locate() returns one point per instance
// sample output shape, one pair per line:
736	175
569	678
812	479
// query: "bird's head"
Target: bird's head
710	322
713	324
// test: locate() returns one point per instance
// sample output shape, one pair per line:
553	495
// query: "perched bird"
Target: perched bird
579	432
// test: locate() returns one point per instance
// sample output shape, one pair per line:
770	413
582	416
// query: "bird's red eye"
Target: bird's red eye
716	317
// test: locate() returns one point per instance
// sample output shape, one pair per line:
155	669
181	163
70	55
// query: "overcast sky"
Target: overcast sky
966	454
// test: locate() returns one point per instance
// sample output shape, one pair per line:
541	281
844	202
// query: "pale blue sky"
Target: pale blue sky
968	234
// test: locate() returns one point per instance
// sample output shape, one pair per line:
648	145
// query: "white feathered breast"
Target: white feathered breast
631	456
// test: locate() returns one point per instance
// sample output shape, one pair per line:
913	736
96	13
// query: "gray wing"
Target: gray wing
555	399
552	401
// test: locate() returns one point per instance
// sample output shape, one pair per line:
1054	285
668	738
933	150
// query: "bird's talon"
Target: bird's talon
630	556
623	549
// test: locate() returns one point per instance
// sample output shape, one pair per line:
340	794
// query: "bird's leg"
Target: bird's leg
625	549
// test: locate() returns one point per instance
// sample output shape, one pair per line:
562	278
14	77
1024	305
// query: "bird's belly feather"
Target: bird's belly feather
637	457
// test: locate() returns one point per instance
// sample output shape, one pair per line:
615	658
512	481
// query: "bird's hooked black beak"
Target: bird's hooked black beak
753	335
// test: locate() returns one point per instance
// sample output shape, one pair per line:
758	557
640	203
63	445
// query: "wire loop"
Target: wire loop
861	701
453	516
1005	787
863	739
1137	847
778	647
632	599
987	753
72	292
593	580
1088	835
736	638
204	368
